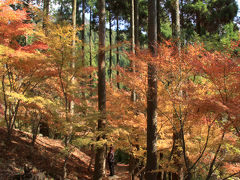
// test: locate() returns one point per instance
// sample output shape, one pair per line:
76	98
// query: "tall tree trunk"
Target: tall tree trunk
158	21
152	95
110	41
90	38
132	27
99	159
136	23
44	125
83	31
133	47
71	102
161	173
45	14
74	22
117	37
132	164
134	42
90	49
178	25
177	151
78	13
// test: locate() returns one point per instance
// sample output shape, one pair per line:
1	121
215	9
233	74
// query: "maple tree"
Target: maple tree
192	104
44	79
21	63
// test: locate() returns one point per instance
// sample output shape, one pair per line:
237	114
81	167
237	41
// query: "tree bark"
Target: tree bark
90	38
133	18
83	31
152	95
45	14
71	106
178	25
110	41
117	37
136	22
99	159
177	137
44	126
211	170
158	22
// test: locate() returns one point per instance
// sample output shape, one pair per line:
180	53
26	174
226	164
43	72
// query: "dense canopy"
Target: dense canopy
158	80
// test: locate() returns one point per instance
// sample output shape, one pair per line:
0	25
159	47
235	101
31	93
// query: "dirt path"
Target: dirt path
46	156
121	173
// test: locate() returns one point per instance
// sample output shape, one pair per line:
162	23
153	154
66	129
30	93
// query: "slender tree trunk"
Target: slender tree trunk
117	37
90	50
83	31
211	170
132	161
90	38
10	109
152	95
169	176
110	41
136	23
135	37
162	173
158	21
133	18
45	14
74	22
132	27
177	150
70	107
178	24
78	13
46	3
99	159
35	125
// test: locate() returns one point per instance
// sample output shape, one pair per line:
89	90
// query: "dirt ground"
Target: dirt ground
45	156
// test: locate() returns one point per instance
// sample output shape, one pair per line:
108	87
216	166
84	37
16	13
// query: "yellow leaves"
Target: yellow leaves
61	36
117	133
39	101
164	144
4	54
120	132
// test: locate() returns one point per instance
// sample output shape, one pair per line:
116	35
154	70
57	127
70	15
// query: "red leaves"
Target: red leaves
11	24
37	45
232	168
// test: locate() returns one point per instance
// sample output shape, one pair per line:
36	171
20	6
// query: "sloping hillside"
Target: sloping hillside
45	157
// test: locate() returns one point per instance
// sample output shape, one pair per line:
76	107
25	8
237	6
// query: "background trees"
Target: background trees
49	64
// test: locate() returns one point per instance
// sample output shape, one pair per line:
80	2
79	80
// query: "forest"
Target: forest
158	80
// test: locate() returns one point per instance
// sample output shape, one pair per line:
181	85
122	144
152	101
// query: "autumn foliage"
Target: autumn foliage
198	96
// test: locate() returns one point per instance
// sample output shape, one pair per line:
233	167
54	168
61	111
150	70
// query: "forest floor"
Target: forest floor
45	156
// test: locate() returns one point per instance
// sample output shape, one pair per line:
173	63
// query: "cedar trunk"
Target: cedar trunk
99	159
110	41
177	138
152	94
83	31
45	13
117	37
